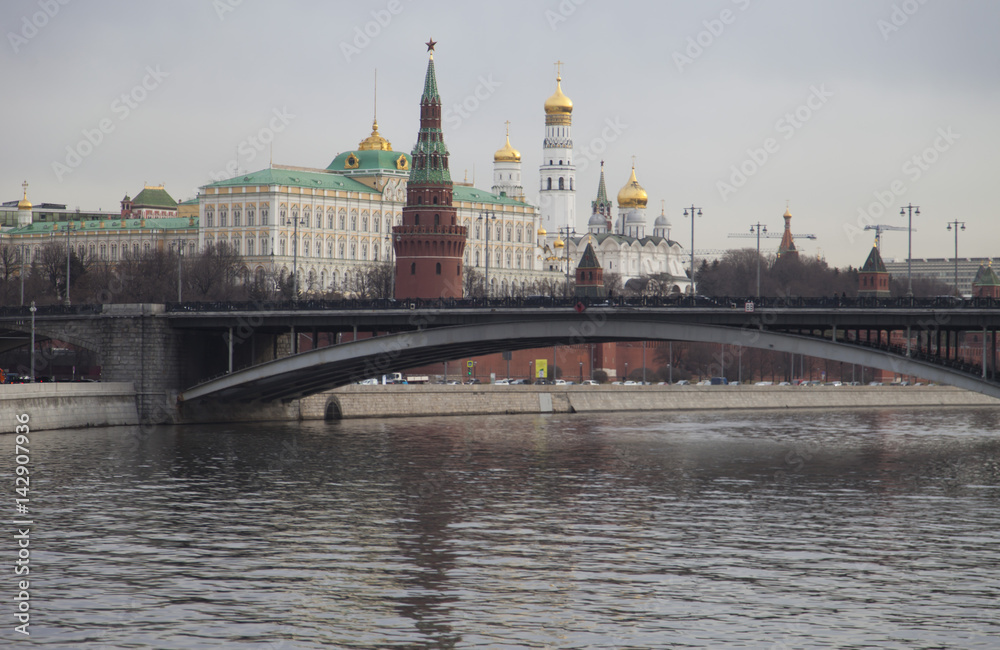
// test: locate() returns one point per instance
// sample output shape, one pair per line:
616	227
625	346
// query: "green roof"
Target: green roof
297	178
370	159
430	84
154	197
476	195
874	263
193	201
589	259
625	239
104	225
986	277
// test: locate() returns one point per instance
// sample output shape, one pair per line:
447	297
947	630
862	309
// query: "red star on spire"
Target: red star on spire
430	44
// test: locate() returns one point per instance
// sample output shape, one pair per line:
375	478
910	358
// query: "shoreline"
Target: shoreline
350	402
83	405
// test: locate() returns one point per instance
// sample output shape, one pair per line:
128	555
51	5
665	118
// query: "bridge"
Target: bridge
191	353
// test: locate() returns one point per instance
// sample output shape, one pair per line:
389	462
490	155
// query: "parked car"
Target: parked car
520	382
560	382
683	382
589	382
501	382
544	382
474	380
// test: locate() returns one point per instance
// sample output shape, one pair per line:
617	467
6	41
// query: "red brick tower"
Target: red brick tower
873	278
430	243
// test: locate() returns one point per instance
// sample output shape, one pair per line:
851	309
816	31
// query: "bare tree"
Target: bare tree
215	271
374	280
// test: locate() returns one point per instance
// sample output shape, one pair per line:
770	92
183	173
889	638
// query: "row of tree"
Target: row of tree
218	272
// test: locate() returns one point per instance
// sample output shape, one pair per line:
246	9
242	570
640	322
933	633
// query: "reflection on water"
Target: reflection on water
739	529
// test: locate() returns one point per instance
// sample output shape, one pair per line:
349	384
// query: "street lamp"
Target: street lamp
69	226
22	251
295	255
903	212
180	249
692	208
32	309
568	231
488	219
581	372
626	371
956	223
757	229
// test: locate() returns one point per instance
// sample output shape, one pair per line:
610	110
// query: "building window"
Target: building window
438	268
375	224
354	251
263	216
375	252
114	252
249	244
209	217
341	220
509	231
340	250
104	251
561	182
250	215
413	268
364	224
354	221
236	216
548	184
329	219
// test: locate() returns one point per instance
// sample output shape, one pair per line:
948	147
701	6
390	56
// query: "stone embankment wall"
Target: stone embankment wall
68	405
421	400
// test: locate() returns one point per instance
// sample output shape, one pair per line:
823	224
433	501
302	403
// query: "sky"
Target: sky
842	110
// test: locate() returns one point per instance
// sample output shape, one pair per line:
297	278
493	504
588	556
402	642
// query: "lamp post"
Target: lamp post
22	253
908	211
692	208
180	249
626	371
956	223
488	219
757	229
69	226
32	309
295	256
568	231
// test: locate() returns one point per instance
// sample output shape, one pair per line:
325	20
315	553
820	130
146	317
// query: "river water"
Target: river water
790	529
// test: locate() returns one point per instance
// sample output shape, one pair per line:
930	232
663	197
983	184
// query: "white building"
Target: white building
557	191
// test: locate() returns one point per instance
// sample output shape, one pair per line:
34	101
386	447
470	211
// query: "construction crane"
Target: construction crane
768	235
879	227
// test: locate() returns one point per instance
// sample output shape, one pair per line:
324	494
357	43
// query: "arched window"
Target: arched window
561	181
249	245
341	220
263	216
329	218
510	229
375	224
374	252
519	233
340	250
437	220
438	268
354	221
548	184
236	216
250	215
413	268
354	250
364	223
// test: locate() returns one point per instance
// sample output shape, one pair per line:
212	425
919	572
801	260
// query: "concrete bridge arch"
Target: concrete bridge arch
310	372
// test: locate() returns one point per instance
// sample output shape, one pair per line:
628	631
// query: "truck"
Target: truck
399	378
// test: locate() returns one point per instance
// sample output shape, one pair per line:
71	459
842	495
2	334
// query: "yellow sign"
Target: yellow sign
541	368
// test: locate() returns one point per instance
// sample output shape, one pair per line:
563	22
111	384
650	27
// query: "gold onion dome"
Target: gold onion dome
542	232
632	195
24	204
558	243
374	142
558	102
507	153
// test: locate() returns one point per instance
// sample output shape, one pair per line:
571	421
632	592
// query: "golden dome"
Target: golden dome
24	203
542	232
788	212
558	243
374	142
632	195
558	102
507	153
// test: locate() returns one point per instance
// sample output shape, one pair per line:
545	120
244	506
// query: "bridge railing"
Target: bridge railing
680	302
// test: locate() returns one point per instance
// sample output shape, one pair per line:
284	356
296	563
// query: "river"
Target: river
763	529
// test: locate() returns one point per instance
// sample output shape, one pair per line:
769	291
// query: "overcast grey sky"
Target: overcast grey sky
733	105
